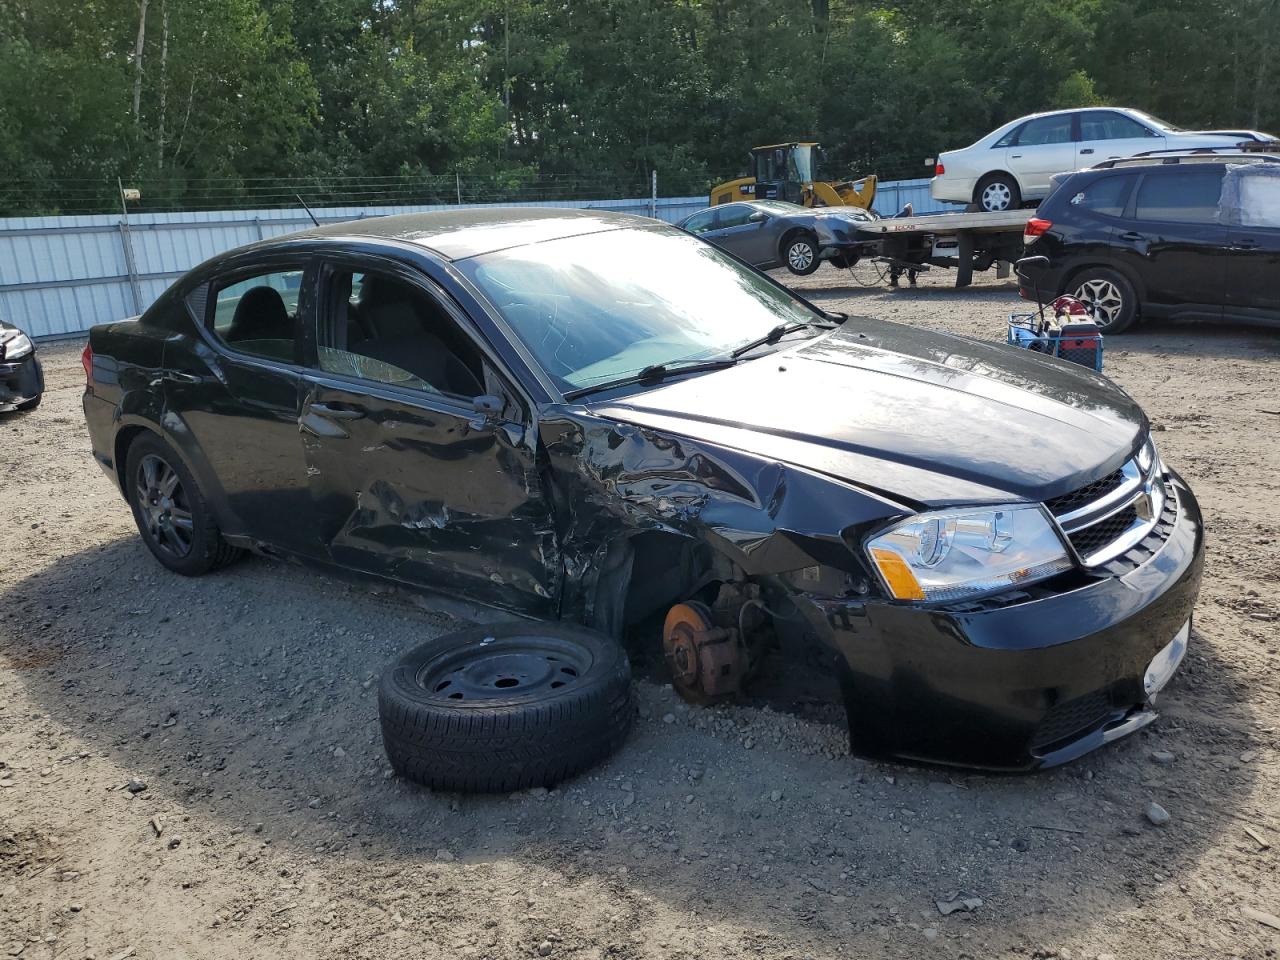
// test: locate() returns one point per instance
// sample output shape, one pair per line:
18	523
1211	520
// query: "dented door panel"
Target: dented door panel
419	491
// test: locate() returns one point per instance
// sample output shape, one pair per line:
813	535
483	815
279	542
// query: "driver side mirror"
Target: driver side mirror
489	415
758	217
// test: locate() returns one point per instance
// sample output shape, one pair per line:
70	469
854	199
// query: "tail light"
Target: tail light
940	169
86	361
1036	227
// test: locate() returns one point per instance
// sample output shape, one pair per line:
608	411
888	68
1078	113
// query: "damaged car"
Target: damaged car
596	418
21	376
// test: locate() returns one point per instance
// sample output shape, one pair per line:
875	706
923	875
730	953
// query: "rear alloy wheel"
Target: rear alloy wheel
175	522
998	192
1109	298
800	252
505	707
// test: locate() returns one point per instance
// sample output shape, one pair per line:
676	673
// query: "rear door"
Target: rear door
1173	240
1042	147
232	396
408	479
1251	201
1107	135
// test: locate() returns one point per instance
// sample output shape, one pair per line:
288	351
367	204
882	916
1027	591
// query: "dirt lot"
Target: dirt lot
270	826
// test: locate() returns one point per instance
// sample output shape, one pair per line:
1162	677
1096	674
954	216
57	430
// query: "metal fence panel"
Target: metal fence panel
61	275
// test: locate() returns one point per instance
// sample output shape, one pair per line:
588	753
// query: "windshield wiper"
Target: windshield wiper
654	373
773	336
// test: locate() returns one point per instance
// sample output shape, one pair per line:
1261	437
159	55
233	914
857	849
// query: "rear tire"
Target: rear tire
505	707
172	514
800	253
997	192
1109	296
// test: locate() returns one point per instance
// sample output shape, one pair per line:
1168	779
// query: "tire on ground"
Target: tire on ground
1097	287
505	706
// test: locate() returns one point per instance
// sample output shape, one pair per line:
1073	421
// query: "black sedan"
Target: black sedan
596	418
773	233
21	378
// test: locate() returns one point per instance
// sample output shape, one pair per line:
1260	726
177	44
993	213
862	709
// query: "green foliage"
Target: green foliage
271	96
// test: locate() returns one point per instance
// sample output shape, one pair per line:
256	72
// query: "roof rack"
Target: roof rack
1255	152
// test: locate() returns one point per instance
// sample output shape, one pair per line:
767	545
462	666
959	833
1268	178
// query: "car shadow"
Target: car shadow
246	701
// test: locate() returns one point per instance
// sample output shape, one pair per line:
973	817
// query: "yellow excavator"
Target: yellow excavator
788	171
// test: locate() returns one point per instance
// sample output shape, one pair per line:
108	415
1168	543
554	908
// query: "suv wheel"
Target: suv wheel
175	521
1109	296
996	192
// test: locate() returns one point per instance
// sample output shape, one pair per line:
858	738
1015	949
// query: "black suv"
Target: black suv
1191	234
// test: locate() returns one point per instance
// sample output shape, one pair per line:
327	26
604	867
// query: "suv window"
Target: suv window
259	315
1180	196
1109	125
700	222
377	326
1106	195
734	216
1045	130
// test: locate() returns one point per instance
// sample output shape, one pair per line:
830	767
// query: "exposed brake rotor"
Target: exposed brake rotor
707	662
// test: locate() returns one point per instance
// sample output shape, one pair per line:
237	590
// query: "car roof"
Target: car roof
470	231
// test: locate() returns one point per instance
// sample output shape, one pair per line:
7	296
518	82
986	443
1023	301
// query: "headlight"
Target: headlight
957	554
16	346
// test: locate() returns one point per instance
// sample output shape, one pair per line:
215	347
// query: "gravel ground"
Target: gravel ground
192	768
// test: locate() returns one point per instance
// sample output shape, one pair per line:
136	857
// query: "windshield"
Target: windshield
1158	122
802	164
597	308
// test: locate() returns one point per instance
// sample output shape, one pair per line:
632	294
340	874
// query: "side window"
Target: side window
700	223
377	326
1010	138
1189	196
258	315
1108	125
1259	199
1106	196
734	216
1046	130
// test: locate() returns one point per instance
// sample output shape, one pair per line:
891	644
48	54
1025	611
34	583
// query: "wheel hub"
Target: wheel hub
503	668
163	505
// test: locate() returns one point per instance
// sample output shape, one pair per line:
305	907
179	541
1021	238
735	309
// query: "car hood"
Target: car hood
922	418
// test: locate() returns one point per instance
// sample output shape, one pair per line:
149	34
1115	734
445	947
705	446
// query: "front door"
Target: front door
409	480
233	399
1173	240
745	238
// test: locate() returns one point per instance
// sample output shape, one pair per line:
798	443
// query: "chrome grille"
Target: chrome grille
1109	517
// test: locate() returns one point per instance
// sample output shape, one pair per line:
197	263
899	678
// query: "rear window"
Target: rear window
1106	196
1182	196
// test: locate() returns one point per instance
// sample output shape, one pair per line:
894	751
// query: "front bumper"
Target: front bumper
1021	686
20	382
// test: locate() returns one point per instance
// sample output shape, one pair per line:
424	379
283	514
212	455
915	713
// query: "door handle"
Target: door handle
1016	156
1132	237
176	376
1087	150
336	413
